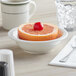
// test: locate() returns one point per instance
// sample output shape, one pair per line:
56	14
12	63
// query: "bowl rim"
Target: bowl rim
10	34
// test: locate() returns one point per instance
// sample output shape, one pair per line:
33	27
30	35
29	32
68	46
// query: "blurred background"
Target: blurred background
45	9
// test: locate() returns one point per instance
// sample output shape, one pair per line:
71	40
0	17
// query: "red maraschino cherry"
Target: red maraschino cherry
38	26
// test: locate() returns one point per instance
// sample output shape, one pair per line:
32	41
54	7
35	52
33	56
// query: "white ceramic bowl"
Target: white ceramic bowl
36	47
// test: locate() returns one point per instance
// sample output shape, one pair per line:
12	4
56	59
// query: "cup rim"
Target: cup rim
14	3
10	34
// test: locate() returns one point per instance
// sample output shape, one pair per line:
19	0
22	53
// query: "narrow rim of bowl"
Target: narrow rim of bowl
10	34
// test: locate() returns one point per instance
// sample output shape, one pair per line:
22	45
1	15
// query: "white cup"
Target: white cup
15	13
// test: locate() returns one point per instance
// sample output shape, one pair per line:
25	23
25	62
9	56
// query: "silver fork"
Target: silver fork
64	59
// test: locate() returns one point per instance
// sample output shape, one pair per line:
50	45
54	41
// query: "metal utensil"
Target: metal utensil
64	59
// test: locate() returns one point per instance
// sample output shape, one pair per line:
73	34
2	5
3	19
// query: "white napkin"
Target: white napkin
6	55
72	59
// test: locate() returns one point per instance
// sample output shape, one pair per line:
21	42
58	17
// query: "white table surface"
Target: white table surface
37	65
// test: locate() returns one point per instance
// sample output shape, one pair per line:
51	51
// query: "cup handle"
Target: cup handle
32	9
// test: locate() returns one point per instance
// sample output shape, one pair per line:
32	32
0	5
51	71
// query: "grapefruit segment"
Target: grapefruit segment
60	33
27	32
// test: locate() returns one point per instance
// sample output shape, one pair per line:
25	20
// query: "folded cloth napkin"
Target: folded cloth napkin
71	62
6	55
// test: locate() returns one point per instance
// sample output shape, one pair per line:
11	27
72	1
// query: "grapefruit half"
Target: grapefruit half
27	32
